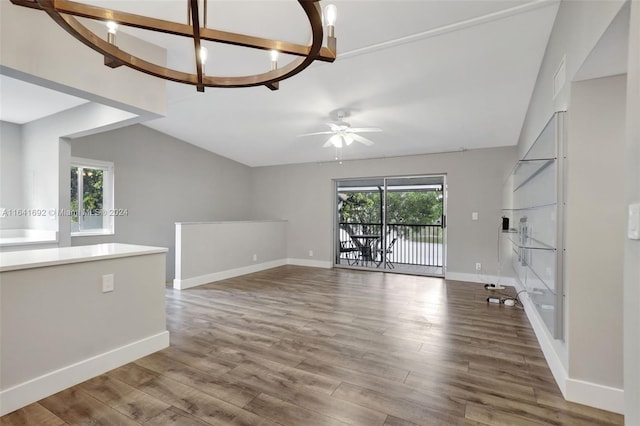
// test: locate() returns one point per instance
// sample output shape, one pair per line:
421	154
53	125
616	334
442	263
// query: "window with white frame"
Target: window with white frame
91	197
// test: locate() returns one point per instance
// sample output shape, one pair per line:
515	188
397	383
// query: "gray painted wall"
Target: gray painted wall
46	156
595	228
303	195
211	251
200	186
72	68
11	173
578	28
632	247
162	180
58	328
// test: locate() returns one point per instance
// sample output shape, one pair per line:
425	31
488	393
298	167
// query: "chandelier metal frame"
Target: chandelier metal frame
63	12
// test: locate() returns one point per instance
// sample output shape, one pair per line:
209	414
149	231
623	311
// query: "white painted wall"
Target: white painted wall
40	172
161	180
11	173
595	228
207	252
632	247
303	194
64	192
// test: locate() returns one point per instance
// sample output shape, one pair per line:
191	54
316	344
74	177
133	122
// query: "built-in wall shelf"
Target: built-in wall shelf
535	211
526	170
531	243
542	206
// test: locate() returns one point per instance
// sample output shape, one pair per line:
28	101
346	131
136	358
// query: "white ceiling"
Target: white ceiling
22	102
434	75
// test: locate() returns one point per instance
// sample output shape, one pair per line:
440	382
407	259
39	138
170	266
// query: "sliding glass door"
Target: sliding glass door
394	224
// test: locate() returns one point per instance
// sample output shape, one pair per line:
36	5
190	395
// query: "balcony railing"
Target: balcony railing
419	245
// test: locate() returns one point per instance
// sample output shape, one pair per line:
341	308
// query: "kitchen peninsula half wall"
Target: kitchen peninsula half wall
69	314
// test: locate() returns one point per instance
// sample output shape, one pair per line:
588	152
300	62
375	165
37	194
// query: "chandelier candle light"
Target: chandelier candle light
63	12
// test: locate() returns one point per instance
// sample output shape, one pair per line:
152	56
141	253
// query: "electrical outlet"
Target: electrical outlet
310	253
478	267
474	216
255	257
108	283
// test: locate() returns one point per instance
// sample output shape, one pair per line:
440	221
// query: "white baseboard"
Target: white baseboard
545	340
183	284
223	275
309	262
35	389
587	393
478	278
595	395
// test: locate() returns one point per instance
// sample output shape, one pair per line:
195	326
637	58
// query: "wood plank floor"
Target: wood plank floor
307	346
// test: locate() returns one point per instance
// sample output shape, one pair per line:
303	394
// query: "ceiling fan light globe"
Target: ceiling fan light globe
344	135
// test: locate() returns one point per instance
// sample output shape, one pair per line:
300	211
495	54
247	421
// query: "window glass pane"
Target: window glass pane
74	199
360	207
91	183
414	207
92	198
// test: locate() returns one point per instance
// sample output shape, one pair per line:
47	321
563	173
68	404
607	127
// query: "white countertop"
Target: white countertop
27	259
25	241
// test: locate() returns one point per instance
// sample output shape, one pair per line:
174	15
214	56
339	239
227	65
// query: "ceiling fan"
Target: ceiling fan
343	134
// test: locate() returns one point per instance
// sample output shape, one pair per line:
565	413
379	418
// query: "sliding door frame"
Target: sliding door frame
384	224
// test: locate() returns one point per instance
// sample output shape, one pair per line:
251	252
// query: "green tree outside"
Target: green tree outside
403	208
92	188
411	208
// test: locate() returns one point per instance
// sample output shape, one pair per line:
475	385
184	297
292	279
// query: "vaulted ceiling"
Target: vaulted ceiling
433	75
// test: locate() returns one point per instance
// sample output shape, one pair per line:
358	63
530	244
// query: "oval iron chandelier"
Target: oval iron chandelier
63	12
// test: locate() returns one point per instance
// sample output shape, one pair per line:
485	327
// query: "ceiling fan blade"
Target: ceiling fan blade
334	127
316	133
361	139
334	140
363	130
